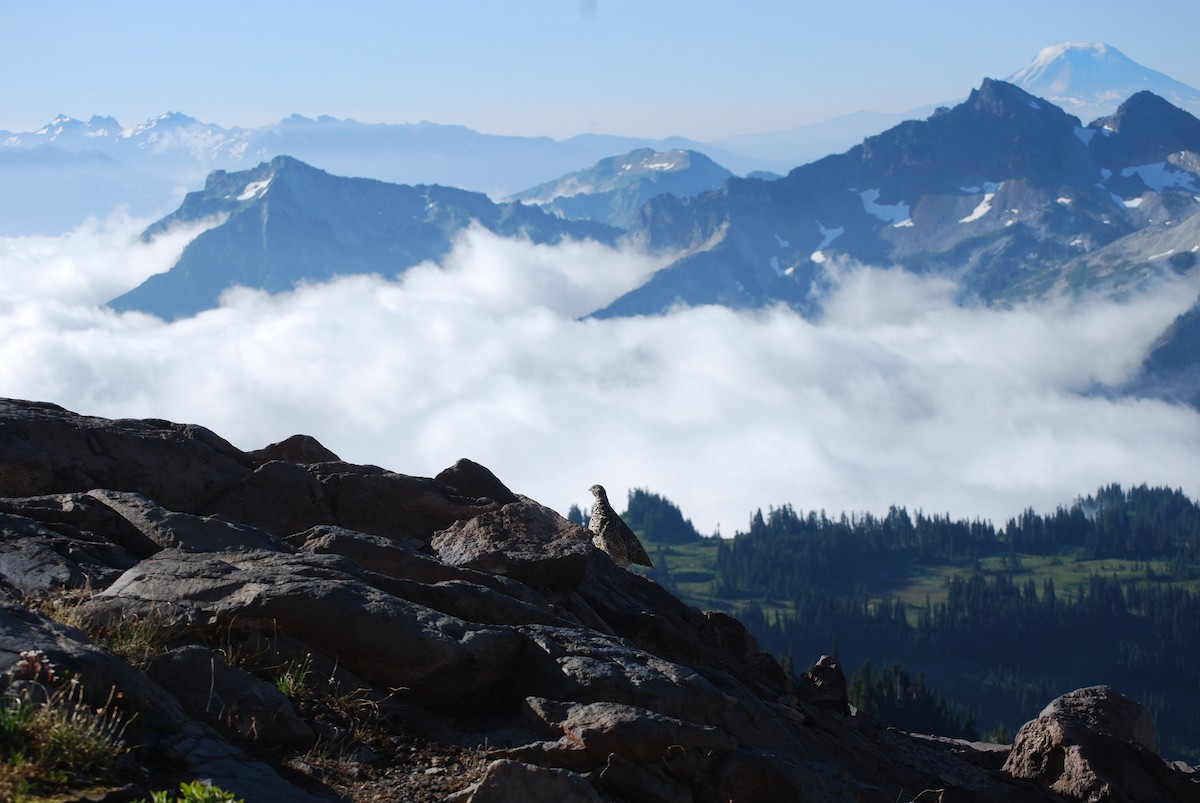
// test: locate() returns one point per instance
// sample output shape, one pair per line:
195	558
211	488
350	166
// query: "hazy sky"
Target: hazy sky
699	68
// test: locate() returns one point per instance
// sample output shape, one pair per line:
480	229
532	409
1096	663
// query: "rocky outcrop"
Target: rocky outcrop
1096	744
450	607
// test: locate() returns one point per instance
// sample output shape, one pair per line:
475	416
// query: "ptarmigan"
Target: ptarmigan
613	535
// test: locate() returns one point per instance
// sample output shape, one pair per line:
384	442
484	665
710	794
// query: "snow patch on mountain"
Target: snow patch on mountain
255	189
1161	175
897	214
979	211
828	236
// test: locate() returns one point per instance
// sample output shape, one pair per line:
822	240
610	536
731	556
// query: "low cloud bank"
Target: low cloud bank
896	396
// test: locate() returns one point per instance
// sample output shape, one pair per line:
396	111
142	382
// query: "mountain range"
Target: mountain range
285	222
54	177
1006	193
1086	79
99	166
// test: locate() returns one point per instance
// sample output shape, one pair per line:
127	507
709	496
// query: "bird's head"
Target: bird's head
598	491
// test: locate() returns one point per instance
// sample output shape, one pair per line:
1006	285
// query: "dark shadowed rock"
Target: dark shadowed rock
471	479
45	449
232	700
281	498
296	449
37	560
183	530
99	672
325	601
824	686
83	516
371	500
641	782
513	782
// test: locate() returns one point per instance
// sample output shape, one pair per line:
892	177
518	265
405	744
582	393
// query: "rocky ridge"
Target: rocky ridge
330	631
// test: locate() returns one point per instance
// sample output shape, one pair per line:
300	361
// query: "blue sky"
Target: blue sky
700	68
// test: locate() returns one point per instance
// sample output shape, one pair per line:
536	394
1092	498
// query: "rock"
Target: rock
204	754
45	449
453	608
641	783
766	777
522	540
101	674
38	561
371	500
324	601
824	686
232	700
280	498
296	449
507	781
82	516
472	479
183	530
470	602
1095	744
640	735
397	559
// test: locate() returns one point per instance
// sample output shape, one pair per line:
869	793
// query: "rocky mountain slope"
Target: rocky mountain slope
285	222
1001	192
309	629
614	189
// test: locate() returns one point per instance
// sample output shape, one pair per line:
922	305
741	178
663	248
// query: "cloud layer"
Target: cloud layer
897	395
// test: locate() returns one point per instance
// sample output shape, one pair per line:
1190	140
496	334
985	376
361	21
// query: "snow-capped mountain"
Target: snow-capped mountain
614	189
1091	80
1005	193
284	222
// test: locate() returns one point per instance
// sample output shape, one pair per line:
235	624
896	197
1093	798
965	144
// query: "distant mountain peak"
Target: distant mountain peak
613	189
1090	79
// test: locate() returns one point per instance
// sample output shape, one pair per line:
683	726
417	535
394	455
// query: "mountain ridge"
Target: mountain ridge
988	192
285	222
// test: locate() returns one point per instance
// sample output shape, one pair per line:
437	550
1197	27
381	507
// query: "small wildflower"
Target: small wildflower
35	665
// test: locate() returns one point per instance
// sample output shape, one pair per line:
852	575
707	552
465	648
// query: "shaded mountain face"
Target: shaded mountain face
1172	369
285	222
614	189
1090	79
1003	192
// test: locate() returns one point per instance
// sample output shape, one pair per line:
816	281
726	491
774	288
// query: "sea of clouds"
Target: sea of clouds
897	395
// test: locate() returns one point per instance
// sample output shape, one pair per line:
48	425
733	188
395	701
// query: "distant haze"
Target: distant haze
701	69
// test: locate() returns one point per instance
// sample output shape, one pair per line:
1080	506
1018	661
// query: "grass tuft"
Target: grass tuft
50	735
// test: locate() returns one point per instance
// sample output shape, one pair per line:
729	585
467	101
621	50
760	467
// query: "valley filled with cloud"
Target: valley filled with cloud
897	395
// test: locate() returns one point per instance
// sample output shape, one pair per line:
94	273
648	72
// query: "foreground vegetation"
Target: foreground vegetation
999	620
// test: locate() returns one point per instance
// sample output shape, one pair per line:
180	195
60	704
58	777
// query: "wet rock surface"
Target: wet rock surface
311	629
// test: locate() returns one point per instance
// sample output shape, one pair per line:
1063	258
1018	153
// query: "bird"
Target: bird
613	535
